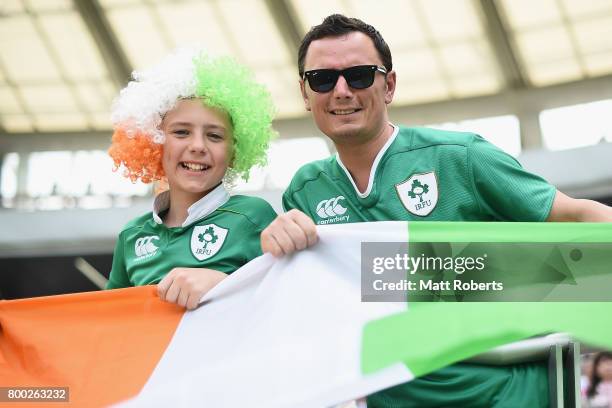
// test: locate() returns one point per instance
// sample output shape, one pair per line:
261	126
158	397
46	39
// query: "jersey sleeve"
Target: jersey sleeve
287	200
503	189
252	242
118	277
294	196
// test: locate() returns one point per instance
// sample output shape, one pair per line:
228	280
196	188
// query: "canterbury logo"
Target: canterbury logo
145	246
330	208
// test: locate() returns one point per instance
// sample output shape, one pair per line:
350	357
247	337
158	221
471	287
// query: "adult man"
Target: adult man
386	172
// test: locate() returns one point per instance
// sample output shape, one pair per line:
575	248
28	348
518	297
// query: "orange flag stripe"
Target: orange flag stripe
102	345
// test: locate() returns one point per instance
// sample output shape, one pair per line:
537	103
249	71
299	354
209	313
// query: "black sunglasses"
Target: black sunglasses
358	77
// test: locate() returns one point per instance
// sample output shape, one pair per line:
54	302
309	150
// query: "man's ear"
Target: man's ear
390	83
304	96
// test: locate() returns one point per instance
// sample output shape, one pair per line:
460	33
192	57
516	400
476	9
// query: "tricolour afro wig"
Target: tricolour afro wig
220	82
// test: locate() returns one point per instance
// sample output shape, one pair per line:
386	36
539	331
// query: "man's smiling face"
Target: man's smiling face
345	114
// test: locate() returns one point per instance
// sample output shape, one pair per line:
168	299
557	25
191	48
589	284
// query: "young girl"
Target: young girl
599	393
192	121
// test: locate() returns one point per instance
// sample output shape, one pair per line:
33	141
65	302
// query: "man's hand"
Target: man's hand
186	286
289	232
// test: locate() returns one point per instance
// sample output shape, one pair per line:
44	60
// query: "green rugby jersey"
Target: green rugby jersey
220	233
424	174
435	175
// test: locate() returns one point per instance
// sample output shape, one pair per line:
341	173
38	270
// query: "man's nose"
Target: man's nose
342	88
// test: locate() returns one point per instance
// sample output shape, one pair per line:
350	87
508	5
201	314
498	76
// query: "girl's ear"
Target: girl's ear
232	159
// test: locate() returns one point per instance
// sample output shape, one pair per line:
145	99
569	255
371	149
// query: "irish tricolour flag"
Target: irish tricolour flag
292	332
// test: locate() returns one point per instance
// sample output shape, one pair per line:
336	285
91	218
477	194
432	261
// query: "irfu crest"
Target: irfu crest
418	189
207	240
419	193
208	236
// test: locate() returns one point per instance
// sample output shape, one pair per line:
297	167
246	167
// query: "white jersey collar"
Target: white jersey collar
379	156
200	209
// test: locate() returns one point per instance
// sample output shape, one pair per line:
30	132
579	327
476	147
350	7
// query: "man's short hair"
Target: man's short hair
337	25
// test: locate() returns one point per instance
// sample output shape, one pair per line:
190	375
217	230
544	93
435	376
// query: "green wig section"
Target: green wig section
224	84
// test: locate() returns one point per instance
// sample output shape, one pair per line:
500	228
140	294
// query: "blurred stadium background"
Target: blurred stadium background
532	76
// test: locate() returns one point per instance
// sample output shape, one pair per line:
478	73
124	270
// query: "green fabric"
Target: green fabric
243	217
509	232
463	330
470	385
475	182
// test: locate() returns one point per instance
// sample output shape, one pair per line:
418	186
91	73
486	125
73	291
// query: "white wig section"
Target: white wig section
142	104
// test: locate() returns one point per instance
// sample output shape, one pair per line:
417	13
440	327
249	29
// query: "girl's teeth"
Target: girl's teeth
194	166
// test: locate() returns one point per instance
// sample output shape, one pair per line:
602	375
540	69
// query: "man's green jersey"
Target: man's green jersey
220	233
424	174
434	175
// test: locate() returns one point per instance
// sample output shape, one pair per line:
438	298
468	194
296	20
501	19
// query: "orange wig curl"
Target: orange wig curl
141	157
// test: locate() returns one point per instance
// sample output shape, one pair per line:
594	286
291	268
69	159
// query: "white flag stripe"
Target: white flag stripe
280	333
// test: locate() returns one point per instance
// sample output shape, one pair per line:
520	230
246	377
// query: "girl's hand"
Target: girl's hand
186	286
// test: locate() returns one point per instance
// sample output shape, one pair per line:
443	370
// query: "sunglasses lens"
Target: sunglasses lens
359	77
323	80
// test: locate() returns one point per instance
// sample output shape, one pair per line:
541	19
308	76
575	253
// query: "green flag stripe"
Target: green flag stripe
432	335
509	232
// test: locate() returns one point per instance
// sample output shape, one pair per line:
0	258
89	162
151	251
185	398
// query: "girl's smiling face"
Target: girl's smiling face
198	147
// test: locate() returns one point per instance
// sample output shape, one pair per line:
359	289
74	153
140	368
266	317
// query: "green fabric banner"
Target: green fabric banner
432	335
